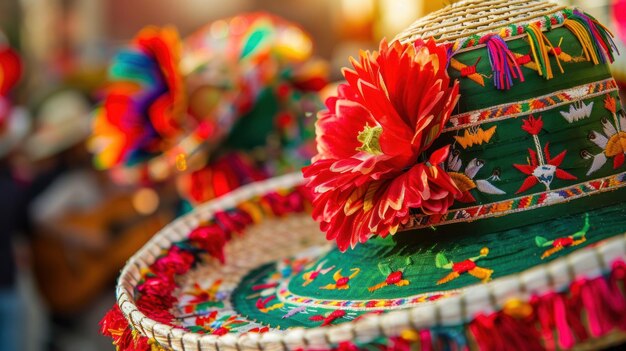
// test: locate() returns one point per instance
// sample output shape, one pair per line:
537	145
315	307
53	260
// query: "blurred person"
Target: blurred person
84	227
14	124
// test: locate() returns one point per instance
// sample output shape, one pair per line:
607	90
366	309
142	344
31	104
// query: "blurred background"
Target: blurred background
69	222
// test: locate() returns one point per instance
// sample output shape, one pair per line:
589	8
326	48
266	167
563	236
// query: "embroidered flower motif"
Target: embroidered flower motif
542	168
371	167
144	102
612	141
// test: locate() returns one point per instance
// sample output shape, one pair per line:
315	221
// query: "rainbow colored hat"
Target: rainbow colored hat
469	181
230	86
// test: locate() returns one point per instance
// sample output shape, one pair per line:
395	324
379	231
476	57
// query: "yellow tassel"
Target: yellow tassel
448	278
585	41
540	50
483	274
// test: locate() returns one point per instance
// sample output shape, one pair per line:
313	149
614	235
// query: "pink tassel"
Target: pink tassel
426	340
591	295
503	62
565	333
541	306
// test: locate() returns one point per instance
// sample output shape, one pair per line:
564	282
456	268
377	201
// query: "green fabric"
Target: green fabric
510	146
510	251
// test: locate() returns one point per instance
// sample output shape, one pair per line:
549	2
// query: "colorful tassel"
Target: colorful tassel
595	39
503	62
540	48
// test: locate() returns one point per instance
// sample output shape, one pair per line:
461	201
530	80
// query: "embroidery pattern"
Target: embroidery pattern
559	244
466	181
203	299
468	266
534	105
541	167
310	276
522	203
577	111
612	141
285	295
468	71
215	324
341	282
475	136
392	277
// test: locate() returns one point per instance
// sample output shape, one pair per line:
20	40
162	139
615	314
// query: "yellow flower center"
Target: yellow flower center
369	138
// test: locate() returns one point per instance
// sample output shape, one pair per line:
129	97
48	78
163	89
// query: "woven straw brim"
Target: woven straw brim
476	17
276	238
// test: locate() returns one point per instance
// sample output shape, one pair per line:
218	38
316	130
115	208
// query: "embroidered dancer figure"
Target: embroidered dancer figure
467	266
559	244
341	282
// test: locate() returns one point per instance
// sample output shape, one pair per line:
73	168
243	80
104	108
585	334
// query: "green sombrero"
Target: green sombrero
492	221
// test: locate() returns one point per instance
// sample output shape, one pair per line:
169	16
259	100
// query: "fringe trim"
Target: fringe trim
589	308
596	39
540	48
503	62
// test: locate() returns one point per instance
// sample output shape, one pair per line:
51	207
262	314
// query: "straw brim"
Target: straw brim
275	238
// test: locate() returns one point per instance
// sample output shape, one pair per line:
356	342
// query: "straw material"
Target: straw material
475	17
280	238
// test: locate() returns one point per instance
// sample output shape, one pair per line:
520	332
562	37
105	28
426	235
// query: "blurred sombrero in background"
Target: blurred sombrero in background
471	173
238	85
62	120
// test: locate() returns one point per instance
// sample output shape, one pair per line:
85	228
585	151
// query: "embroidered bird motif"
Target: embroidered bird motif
559	244
467	181
341	282
467	266
310	276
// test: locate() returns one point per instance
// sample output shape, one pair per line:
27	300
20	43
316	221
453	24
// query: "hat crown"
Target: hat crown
476	17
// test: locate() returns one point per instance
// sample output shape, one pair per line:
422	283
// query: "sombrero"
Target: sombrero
173	105
470	174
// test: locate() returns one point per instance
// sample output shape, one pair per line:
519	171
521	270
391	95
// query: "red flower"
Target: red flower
371	167
609	103
532	125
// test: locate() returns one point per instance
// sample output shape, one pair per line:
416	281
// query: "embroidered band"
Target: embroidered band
519	204
534	105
